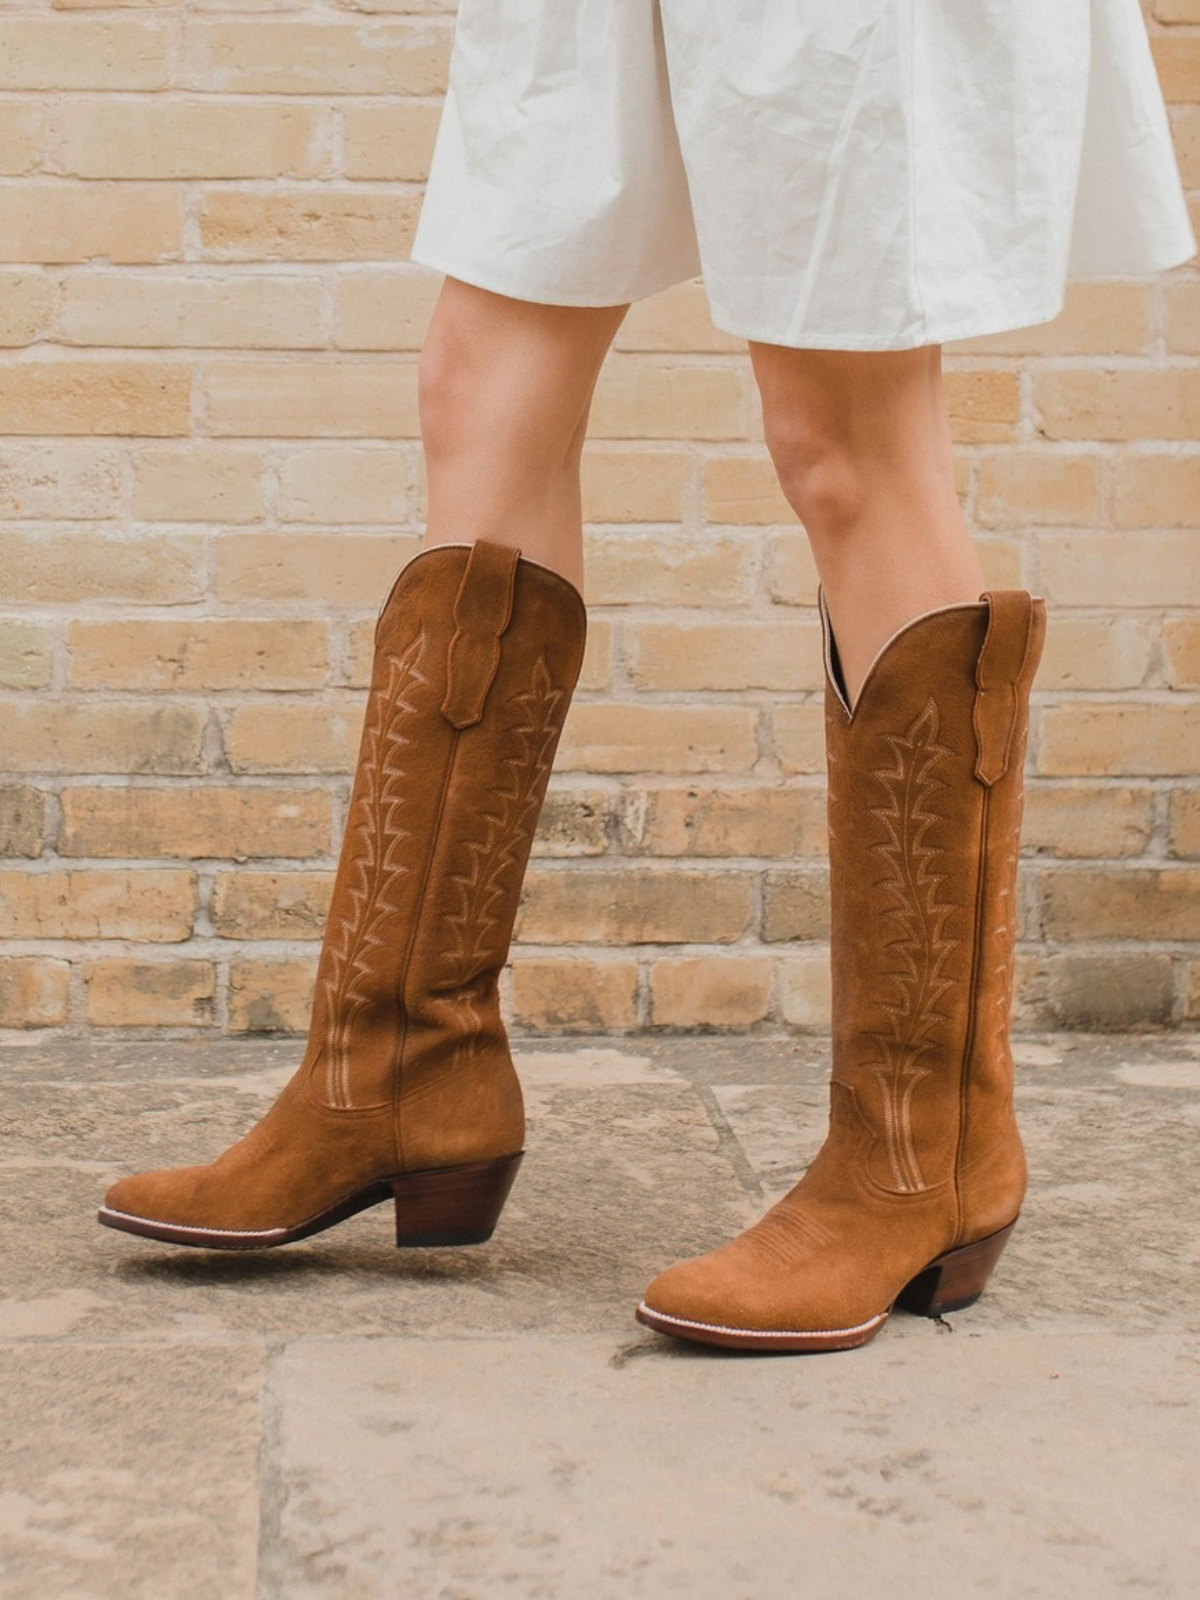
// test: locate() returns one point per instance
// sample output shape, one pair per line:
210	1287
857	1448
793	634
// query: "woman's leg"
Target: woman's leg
861	444
505	388
920	1179
407	1089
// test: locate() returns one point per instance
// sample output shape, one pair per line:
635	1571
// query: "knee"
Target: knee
822	476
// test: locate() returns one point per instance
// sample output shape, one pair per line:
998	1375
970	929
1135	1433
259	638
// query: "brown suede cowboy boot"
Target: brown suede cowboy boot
919	1182
407	1088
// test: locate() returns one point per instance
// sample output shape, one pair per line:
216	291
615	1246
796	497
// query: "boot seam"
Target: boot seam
964	1082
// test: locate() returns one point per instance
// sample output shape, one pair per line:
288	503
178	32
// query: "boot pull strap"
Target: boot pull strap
998	675
482	610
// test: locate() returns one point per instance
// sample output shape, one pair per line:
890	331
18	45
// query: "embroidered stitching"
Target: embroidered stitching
921	946
374	834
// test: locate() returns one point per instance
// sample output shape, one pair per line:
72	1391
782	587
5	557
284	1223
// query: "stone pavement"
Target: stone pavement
341	1421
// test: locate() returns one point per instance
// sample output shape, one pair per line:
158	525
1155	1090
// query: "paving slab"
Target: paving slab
339	1419
129	1472
545	1467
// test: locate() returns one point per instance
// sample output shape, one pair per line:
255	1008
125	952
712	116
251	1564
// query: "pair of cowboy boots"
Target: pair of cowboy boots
407	1090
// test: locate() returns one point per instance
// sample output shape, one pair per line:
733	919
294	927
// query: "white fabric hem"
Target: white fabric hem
536	294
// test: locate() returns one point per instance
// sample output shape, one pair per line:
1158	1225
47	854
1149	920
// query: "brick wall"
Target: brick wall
209	474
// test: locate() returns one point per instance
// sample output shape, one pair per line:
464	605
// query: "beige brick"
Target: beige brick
215	653
1003	563
1088	820
27	302
197	482
795	904
1022	487
68	479
791	570
149	994
1096	653
107	138
1191	991
573	996
378	310
22	137
1126	903
318	58
1177	57
982	405
633	485
1181	639
271	736
710	991
45	53
1121	738
597	670
22	821
110	736
95	397
33	992
1098	318
141	310
611	907
271	905
676	319
360	653
307	224
270	996
390	142
673	820
744	489
305	399
338	570
1118	403
1185	824
125	5
640	399
26	655
1185	125
1122	991
64	566
572	823
1183	318
625	737
804	990
123	224
154	904
1114	570
754	654
237	823
336	483
1156	491
798	737
670	570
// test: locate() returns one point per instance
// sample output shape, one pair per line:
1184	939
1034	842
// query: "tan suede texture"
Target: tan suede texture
407	1067
923	1152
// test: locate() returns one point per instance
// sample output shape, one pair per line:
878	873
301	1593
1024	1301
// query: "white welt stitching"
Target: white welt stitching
182	1227
767	1333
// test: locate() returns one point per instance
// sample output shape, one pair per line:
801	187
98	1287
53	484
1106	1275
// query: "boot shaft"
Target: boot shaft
477	652
925	791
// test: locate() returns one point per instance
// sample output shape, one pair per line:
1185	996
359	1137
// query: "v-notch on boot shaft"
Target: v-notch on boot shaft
920	1179
407	1089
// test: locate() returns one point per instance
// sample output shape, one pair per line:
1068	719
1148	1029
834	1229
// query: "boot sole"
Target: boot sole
950	1282
441	1207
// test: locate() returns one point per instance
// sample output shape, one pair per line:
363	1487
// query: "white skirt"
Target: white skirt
847	174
